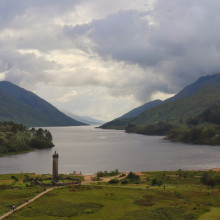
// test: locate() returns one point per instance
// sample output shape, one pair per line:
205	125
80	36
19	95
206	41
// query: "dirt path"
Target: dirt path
30	201
88	178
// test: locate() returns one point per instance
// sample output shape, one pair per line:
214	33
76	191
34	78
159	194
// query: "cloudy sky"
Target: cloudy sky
102	58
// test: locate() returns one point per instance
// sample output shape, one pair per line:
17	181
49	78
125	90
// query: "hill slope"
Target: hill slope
122	122
22	106
210	80
202	94
182	105
137	111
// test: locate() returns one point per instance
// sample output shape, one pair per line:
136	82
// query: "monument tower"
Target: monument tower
55	167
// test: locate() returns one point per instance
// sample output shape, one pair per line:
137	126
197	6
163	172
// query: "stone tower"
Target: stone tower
55	167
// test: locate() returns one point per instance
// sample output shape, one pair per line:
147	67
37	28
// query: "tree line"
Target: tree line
15	138
201	129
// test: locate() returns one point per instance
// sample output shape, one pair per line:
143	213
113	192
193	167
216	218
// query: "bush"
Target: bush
210	179
155	182
124	181
14	178
113	181
27	178
106	173
133	177
96	179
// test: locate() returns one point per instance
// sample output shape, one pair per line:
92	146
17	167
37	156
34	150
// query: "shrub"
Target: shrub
133	177
155	182
113	181
96	179
14	178
124	181
210	179
106	173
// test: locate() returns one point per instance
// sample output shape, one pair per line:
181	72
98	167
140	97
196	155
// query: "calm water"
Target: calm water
89	150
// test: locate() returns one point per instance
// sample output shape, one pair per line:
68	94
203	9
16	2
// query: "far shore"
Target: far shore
88	177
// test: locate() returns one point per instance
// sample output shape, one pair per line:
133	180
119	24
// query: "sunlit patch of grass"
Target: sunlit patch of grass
213	214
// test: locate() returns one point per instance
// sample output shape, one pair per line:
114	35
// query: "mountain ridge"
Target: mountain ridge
22	106
161	111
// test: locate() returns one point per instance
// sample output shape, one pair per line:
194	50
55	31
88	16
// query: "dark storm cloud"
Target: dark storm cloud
125	36
178	40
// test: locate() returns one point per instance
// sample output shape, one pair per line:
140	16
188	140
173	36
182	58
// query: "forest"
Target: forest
17	138
201	129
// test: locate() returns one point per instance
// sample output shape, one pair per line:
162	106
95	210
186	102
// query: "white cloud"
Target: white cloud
66	97
161	95
181	46
25	69
114	54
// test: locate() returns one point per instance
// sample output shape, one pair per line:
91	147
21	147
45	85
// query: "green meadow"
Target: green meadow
14	191
155	195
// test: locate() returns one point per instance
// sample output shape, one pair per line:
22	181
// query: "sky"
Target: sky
103	58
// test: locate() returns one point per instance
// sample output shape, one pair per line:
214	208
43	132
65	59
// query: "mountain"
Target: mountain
124	120
83	119
22	106
210	80
137	111
191	100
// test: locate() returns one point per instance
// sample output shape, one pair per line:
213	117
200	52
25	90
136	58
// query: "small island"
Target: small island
17	138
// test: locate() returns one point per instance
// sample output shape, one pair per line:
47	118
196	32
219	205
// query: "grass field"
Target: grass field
180	196
13	191
213	214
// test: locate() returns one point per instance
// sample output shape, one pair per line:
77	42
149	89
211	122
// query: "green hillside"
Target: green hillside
118	124
137	111
124	120
195	119
180	109
190	101
22	106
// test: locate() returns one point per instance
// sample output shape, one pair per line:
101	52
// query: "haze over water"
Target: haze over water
89	150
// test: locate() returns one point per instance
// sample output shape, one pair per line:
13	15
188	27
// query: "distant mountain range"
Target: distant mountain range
190	101
84	119
22	106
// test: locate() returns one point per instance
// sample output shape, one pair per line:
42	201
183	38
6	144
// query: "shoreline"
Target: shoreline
216	169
